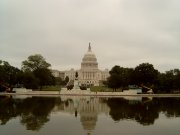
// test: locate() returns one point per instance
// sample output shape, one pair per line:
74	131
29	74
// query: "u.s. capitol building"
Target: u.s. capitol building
89	74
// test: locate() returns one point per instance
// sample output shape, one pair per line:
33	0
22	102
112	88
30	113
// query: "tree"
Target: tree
37	65
119	77
168	81
66	79
29	80
44	76
35	62
126	75
58	81
8	74
177	81
115	81
145	74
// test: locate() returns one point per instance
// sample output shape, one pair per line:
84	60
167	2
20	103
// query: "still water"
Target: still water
89	115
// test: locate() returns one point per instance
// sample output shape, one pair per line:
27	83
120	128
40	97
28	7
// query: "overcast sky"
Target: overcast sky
122	32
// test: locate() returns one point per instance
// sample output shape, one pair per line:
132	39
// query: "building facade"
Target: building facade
89	73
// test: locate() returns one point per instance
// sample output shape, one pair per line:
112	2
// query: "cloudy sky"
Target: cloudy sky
122	32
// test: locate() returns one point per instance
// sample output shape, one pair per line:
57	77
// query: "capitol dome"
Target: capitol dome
89	60
89	74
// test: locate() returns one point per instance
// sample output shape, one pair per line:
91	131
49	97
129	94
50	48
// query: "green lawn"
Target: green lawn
93	89
51	88
100	89
103	89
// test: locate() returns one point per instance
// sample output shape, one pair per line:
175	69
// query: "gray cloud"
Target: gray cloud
122	32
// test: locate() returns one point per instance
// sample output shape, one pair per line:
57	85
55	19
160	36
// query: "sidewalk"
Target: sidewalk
87	93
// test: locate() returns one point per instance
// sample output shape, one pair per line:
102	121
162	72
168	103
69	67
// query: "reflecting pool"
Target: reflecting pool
73	115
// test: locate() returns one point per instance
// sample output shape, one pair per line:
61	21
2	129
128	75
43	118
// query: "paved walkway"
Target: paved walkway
87	93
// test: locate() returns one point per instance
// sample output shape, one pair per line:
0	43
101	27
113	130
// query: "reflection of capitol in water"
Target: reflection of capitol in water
93	115
87	108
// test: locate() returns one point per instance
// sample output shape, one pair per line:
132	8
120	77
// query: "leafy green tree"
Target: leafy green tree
176	79
37	65
30	81
44	76
105	83
66	79
115	80
177	82
169	81
58	81
35	62
126	75
70	87
119	77
8	74
145	74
